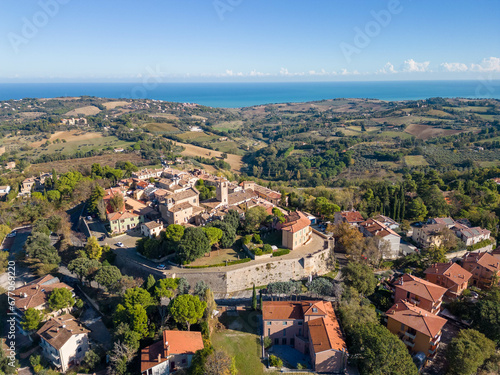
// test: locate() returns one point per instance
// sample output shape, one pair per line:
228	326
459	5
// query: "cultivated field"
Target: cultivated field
426	131
63	166
160	127
69	136
112	105
191	150
85	111
415	160
228	125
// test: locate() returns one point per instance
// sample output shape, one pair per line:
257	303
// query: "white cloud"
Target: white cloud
455	67
413	66
285	72
388	68
490	64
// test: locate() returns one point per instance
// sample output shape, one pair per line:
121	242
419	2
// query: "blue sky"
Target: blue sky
248	40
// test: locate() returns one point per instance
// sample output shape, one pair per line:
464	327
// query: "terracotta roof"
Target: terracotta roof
376	228
452	271
57	331
37	292
149	356
282	310
325	334
185	194
295	221
153	224
352	216
448	221
420	320
182	342
121	215
485	260
180	207
240	197
420	287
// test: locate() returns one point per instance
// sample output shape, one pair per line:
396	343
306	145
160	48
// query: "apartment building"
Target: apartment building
450	276
420	292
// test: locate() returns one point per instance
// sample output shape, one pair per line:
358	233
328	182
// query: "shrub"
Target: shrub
281	252
275	361
267	342
267	249
257	239
247	239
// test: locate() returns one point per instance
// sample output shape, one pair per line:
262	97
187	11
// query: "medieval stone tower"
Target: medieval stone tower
222	191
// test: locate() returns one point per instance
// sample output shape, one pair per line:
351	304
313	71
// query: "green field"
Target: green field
160	127
228	125
415	160
241	341
471	108
81	145
198	136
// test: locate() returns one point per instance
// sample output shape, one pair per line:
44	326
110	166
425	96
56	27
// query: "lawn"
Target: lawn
220	256
415	160
241	340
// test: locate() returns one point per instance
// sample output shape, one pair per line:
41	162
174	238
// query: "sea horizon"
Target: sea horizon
246	94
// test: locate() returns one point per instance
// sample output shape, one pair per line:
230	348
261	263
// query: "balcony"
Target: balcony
435	341
410	335
432	352
409	343
416	302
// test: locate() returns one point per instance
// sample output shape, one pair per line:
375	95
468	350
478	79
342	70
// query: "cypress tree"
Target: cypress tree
254	298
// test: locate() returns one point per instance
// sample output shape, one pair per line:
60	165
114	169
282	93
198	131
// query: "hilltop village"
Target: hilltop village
155	255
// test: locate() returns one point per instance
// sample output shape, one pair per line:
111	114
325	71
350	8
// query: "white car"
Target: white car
119	244
12	234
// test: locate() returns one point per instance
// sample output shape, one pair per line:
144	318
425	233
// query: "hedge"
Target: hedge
479	245
233	262
281	252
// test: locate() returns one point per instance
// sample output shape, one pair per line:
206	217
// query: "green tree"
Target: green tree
31	320
187	309
254	298
53	195
416	210
166	288
124	334
61	298
219	363
467	351
353	310
91	359
108	276
150	282
116	203
232	218
84	268
228	233
139	319
193	245
359	276
92	248
137	296
95	198
379	352
254	217
214	234
486	317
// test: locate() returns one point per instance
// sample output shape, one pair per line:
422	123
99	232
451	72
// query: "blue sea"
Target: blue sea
232	95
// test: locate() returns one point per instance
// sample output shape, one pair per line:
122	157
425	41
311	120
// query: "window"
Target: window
269	331
276	341
285	323
184	360
315	310
269	323
300	323
283	341
292	342
402	327
79	349
300	331
284	332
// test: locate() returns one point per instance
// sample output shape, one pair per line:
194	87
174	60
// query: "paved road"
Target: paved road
15	246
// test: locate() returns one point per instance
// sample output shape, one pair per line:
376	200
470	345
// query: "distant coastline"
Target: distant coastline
233	95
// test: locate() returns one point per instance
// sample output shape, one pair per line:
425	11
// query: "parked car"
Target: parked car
12	234
102	238
89	218
119	244
161	266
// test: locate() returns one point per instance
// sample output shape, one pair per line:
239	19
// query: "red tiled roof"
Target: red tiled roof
452	271
420	287
121	215
37	292
485	260
282	310
295	221
352	216
182	342
57	331
149	356
325	334
420	320
377	228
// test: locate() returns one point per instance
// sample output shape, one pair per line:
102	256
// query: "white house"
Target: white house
151	228
64	341
372	227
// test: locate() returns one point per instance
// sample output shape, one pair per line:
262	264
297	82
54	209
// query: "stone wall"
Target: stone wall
243	277
459	254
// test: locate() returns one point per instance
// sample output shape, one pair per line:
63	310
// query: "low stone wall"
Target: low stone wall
460	254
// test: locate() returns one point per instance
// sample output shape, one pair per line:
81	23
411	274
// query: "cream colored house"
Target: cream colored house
151	228
64	341
296	230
